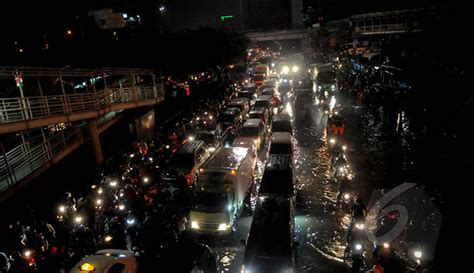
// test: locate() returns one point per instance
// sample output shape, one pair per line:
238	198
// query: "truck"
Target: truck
218	198
263	69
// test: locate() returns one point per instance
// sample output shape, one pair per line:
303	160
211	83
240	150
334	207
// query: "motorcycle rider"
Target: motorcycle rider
358	210
117	231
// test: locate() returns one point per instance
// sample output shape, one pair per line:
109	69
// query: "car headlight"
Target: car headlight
319	87
223	226
211	149
285	70
295	69
194	225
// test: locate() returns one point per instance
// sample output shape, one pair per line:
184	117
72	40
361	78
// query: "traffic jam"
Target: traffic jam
258	179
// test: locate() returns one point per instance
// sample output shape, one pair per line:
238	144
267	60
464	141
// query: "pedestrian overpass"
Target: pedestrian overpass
72	98
281	35
390	22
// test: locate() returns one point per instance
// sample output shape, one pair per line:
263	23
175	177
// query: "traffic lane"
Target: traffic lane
229	248
320	225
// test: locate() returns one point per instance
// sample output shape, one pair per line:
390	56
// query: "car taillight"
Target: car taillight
189	179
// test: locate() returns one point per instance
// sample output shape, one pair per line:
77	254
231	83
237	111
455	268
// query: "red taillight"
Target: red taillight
189	179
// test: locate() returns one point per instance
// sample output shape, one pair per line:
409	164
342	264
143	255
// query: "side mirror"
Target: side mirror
242	241
296	244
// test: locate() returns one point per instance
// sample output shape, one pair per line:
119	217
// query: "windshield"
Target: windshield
207	138
226	118
281	126
182	161
245	95
209	201
249	132
326	77
262	103
256	115
280	148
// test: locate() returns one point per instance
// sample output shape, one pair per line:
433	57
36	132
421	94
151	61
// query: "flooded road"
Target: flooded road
320	224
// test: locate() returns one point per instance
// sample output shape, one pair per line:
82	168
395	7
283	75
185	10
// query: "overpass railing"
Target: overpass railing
27	157
19	109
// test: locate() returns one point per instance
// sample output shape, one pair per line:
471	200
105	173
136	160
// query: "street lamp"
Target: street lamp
68	32
162	8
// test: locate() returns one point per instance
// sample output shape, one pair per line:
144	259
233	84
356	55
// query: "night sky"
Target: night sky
31	20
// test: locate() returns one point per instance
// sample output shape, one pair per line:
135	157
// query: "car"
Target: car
242	103
269	91
281	143
278	176
265	101
189	158
255	130
258	79
193	257
231	117
107	261
211	138
247	94
336	125
259	113
246	142
281	123
271	245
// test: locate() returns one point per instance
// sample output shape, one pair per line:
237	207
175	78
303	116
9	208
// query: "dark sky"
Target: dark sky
20	20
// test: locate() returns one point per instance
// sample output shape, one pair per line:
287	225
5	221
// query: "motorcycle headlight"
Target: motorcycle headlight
344	147
360	226
27	253
341	169
121	207
78	219
332	141
194	225
418	254
62	209
386	245
347	196
130	221
191	138
358	247
333	87
211	149
146	180
108	238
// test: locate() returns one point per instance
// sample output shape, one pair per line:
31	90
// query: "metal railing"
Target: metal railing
19	109
377	28
24	159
